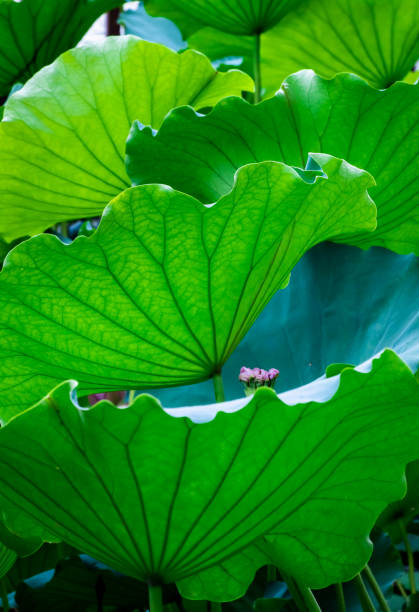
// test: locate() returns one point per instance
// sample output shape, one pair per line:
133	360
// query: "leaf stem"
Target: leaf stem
256	69
402	590
375	587
302	595
363	595
3	595
155	597
215	606
131	396
271	573
340	598
218	387
410	559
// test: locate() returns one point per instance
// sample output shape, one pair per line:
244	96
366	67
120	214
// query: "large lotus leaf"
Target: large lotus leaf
166	288
376	39
235	16
203	505
34	32
375	130
62	137
342	305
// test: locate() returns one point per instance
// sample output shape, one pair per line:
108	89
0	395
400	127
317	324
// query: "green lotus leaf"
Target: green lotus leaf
376	39
34	32
375	130
203	505
358	304
235	16
62	137
145	302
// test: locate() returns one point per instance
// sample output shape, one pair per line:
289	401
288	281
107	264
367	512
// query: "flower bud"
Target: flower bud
253	378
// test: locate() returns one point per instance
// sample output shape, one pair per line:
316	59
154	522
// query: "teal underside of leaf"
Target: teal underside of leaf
205	504
342	305
141	303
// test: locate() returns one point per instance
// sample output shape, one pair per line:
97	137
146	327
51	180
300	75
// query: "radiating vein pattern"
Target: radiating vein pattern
34	32
376	39
166	288
234	17
375	130
62	140
157	496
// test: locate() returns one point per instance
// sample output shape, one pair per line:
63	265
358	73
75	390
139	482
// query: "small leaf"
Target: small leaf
162	293
204	505
375	130
62	138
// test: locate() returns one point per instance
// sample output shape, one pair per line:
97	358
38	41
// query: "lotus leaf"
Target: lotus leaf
300	485
63	134
375	130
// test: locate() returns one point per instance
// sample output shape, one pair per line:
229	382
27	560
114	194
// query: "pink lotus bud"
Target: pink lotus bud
116	397
253	378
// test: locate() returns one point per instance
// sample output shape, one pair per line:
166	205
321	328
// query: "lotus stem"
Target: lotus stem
3	595
256	69
155	597
218	387
375	587
364	598
340	598
131	396
302	595
410	559
215	606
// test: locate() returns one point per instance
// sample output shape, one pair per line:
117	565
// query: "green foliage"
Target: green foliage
342	305
145	303
300	485
63	135
34	32
172	288
375	39
235	16
375	130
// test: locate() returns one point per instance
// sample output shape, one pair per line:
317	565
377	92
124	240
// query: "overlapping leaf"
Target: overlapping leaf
34	32
166	288
235	16
376	39
204	505
63	134
342	305
375	130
